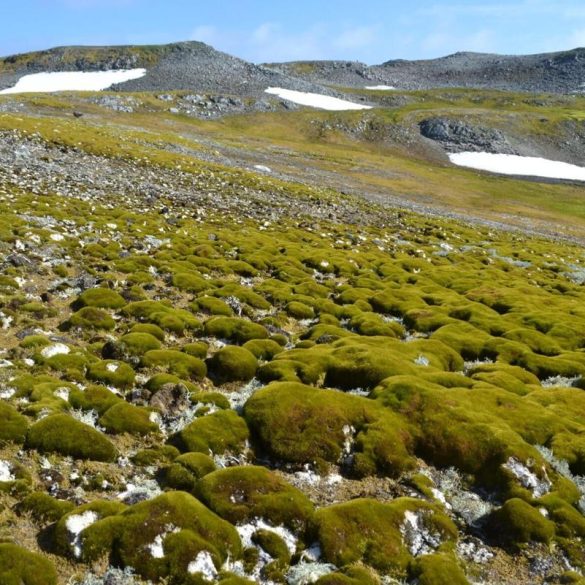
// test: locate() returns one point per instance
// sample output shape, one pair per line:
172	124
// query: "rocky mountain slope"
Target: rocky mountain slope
562	72
178	66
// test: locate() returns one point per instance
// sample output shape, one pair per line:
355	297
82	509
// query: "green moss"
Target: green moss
263	349
63	434
103	298
111	373
123	417
220	432
138	343
91	318
44	508
438	569
19	566
128	536
163	315
13	426
197	349
240	494
233	363
234	329
517	522
370	531
175	362
212	306
352	575
190	282
156	455
149	328
34	342
301	424
300	310
93	397
216	398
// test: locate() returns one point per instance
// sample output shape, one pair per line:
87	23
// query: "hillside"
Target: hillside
562	72
244	341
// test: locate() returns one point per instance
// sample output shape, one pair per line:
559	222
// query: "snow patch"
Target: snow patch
55	349
75	525
316	100
5	471
380	87
73	81
263	168
203	564
510	164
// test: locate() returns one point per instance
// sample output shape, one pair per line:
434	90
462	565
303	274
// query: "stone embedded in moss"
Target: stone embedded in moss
61	433
233	363
123	417
517	522
378	533
13	426
240	494
19	566
160	537
218	433
175	362
103	298
111	373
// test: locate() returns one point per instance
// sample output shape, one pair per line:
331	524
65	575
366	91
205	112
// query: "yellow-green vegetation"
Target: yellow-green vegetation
306	369
19	566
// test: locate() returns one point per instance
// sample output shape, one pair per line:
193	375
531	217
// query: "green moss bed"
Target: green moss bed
393	399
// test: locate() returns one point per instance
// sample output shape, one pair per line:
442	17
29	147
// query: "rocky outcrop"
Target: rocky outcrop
458	136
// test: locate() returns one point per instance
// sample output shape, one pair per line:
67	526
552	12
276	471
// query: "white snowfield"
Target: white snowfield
73	81
509	164
316	100
380	87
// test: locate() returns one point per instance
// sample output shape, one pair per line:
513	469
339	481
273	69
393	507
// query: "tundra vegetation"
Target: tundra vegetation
225	390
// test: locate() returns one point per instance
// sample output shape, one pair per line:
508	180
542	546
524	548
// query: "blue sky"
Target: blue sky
270	30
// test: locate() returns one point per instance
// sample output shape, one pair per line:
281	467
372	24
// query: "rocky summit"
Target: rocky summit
246	340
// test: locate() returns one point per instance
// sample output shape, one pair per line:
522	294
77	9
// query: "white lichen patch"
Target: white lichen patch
203	565
140	489
307	573
6	471
55	349
528	479
418	538
156	548
75	525
112	368
559	382
62	393
7	393
239	398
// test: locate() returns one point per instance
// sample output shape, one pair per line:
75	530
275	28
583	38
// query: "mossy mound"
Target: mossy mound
517	522
234	329
233	363
438	569
302	424
111	373
103	298
91	318
139	342
61	433
213	306
218	433
376	533
163	315
13	426
19	566
263	349
186	470
175	523
240	494
127	418
175	362
44	508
